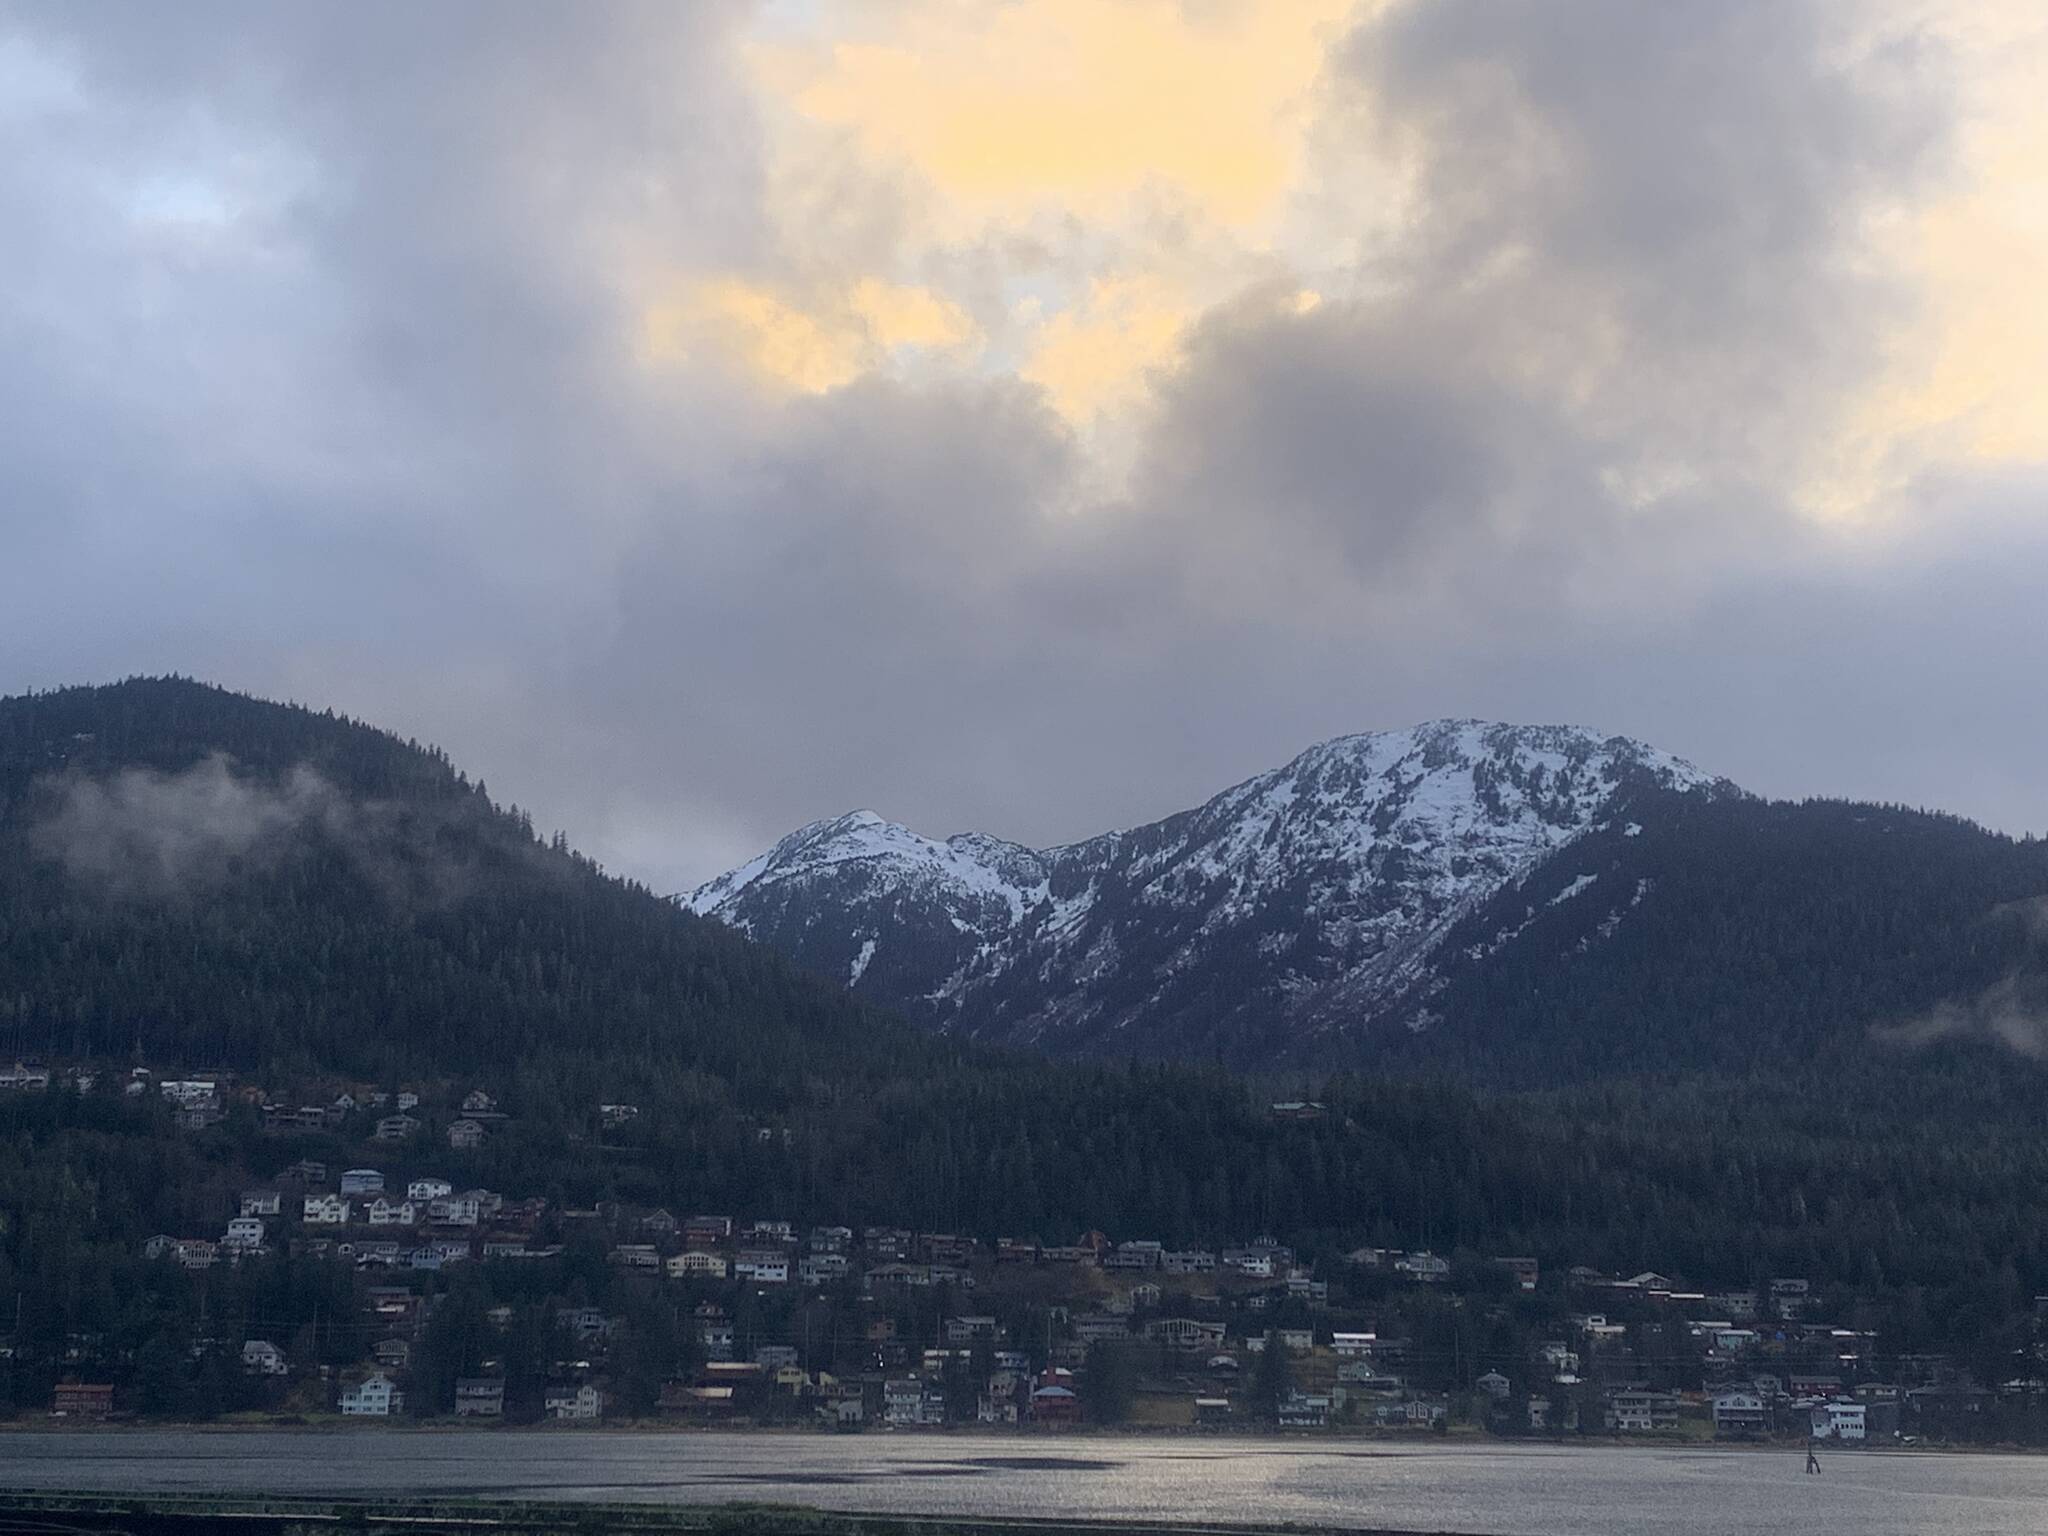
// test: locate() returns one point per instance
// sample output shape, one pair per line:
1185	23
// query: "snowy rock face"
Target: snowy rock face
1309	900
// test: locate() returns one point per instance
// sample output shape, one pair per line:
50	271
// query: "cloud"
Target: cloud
696	437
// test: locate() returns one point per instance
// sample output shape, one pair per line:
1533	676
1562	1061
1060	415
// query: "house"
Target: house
1839	1420
195	1253
636	1255
773	1357
715	1335
260	1357
1055	1404
325	1211
706	1231
1100	1328
396	1128
1135	1255
1367	1377
1526	1271
465	1135
24	1079
454	1211
1739	1413
480	1397
82	1400
1414	1410
1185	1332
423	1190
611	1116
822	1268
1539	1413
1188	1261
1305	1410
1352	1345
966	1330
1634	1411
585	1323
262	1202
307	1171
762	1268
660	1225
392	1213
1494	1385
375	1397
694	1263
477	1102
1212	1412
1423	1266
1296	1341
392	1354
910	1401
245	1232
578	1402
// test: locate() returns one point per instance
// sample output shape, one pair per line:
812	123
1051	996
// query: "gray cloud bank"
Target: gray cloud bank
316	341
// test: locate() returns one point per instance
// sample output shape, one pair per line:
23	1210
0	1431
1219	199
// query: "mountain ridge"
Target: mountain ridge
1339	870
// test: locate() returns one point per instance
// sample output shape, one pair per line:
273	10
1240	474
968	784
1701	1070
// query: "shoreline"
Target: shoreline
1472	1442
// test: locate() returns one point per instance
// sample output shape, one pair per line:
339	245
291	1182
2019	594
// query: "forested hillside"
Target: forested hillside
193	879
1765	939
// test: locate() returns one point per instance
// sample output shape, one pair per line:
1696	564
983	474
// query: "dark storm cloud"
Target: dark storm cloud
321	324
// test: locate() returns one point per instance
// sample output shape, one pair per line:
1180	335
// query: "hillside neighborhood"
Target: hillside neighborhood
478	1303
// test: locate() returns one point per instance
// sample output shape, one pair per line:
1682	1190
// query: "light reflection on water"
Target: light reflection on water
1514	1491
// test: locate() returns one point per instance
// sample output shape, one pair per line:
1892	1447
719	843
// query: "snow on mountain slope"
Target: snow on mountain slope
1305	900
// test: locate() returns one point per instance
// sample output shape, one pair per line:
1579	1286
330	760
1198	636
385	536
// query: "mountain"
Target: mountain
1519	904
1286	912
191	875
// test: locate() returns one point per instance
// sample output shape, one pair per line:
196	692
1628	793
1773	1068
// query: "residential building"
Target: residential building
260	1357
375	1396
480	1397
573	1402
1639	1411
244	1232
465	1135
694	1263
396	1128
82	1400
1740	1413
325	1211
262	1202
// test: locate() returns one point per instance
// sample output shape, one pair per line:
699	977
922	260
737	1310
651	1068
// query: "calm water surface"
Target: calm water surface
1535	1491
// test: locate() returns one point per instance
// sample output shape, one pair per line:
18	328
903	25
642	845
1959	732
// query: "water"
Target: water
1501	1491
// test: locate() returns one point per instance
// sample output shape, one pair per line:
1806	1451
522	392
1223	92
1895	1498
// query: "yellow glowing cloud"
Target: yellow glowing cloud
1968	383
808	349
1095	359
1074	104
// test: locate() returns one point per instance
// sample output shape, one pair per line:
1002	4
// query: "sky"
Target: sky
1033	417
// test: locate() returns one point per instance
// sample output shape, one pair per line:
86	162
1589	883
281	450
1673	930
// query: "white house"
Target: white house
1424	1266
1494	1385
1839	1420
375	1397
262	1202
326	1211
244	1232
362	1181
260	1357
428	1189
704	1266
762	1268
1740	1413
584	1402
392	1213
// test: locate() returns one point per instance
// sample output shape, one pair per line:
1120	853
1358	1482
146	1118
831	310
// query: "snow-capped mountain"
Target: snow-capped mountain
1310	900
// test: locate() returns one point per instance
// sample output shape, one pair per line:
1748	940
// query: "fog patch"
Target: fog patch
2012	1011
146	834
